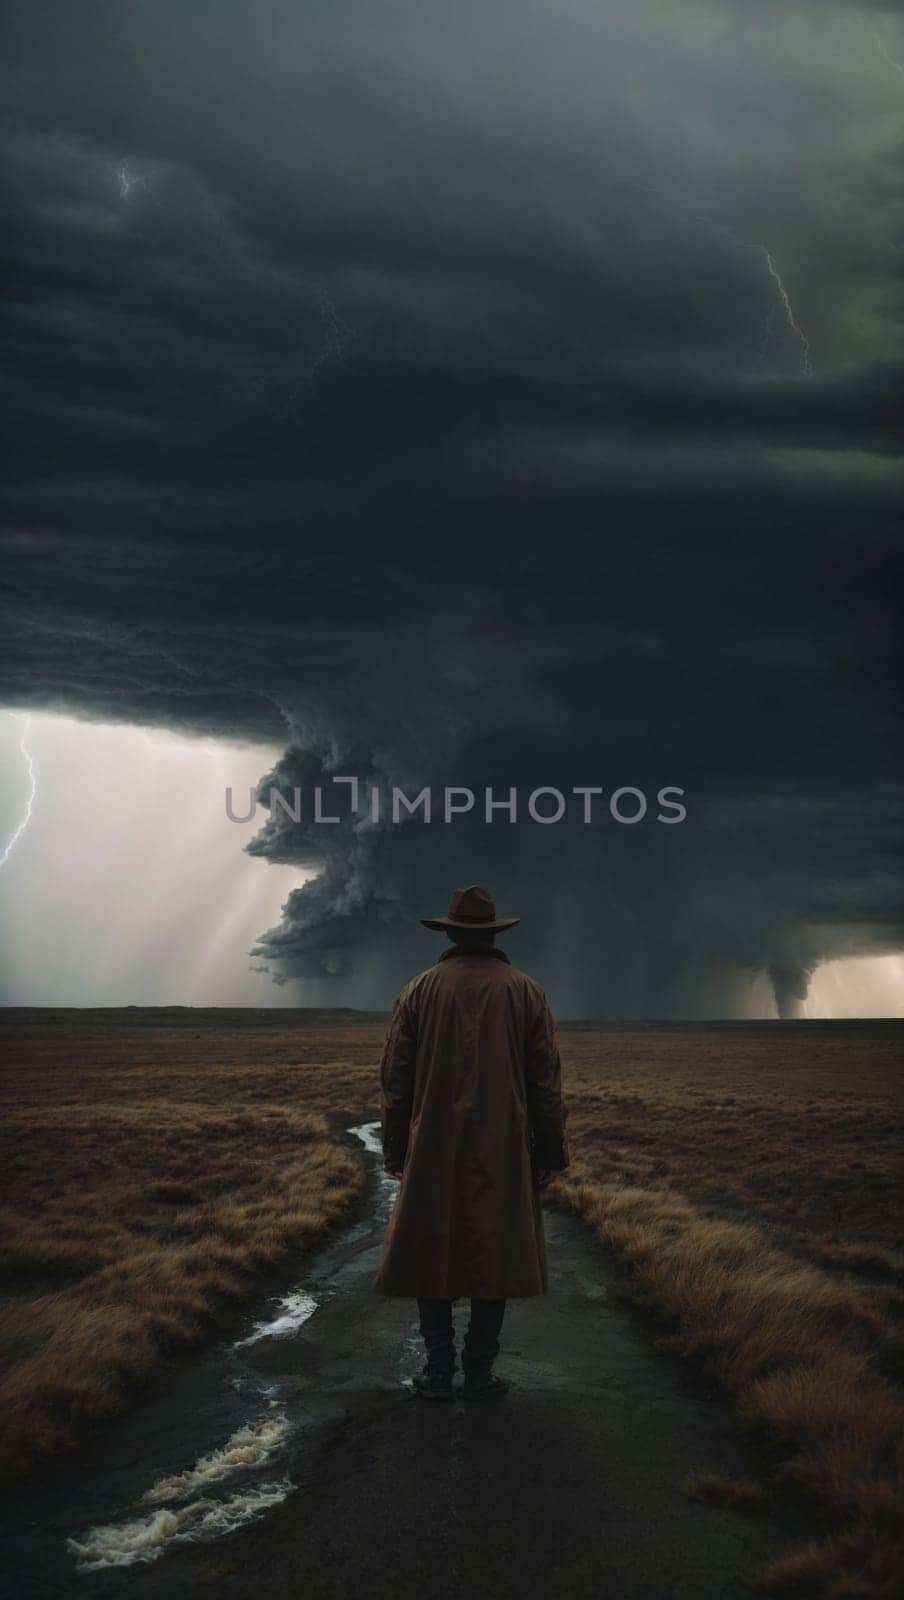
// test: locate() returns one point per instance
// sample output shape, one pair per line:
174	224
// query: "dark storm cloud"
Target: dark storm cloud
480	395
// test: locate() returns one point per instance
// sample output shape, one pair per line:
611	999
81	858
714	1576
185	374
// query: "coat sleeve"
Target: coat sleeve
547	1112
397	1082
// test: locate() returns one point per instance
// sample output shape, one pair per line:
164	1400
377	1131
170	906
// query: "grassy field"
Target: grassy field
749	1181
153	1175
747	1178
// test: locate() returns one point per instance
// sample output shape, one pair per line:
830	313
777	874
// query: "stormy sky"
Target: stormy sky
489	394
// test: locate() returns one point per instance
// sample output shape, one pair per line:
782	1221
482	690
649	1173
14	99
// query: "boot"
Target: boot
481	1383
434	1383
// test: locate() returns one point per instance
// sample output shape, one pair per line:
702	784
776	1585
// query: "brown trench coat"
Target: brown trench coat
471	1083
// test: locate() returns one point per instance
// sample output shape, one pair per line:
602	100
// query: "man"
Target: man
473	1125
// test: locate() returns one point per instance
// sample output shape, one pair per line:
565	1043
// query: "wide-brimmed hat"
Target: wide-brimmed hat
473	907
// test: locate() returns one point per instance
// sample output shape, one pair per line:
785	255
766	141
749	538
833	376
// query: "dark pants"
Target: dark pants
481	1342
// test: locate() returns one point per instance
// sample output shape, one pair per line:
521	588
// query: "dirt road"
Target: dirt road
292	1459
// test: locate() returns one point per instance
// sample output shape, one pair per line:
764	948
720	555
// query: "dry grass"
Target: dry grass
153	1177
747	1178
749	1182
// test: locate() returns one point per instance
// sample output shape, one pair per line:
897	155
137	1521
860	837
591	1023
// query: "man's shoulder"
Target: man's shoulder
531	986
410	989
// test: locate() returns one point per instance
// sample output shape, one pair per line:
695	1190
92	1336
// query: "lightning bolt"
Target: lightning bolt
129	180
132	184
882	49
738	240
792	321
285	398
126	181
335	332
775	275
32	791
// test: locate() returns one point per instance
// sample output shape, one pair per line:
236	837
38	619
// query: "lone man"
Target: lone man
473	1124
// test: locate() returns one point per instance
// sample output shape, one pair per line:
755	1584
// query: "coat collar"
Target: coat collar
472	950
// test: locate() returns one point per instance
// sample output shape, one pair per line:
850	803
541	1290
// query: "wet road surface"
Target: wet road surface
293	1459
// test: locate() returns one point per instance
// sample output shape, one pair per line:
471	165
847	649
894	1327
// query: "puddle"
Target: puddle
250	1446
291	1312
371	1137
369	1134
122	1544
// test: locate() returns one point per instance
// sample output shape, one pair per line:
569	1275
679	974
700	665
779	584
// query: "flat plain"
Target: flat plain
162	1166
